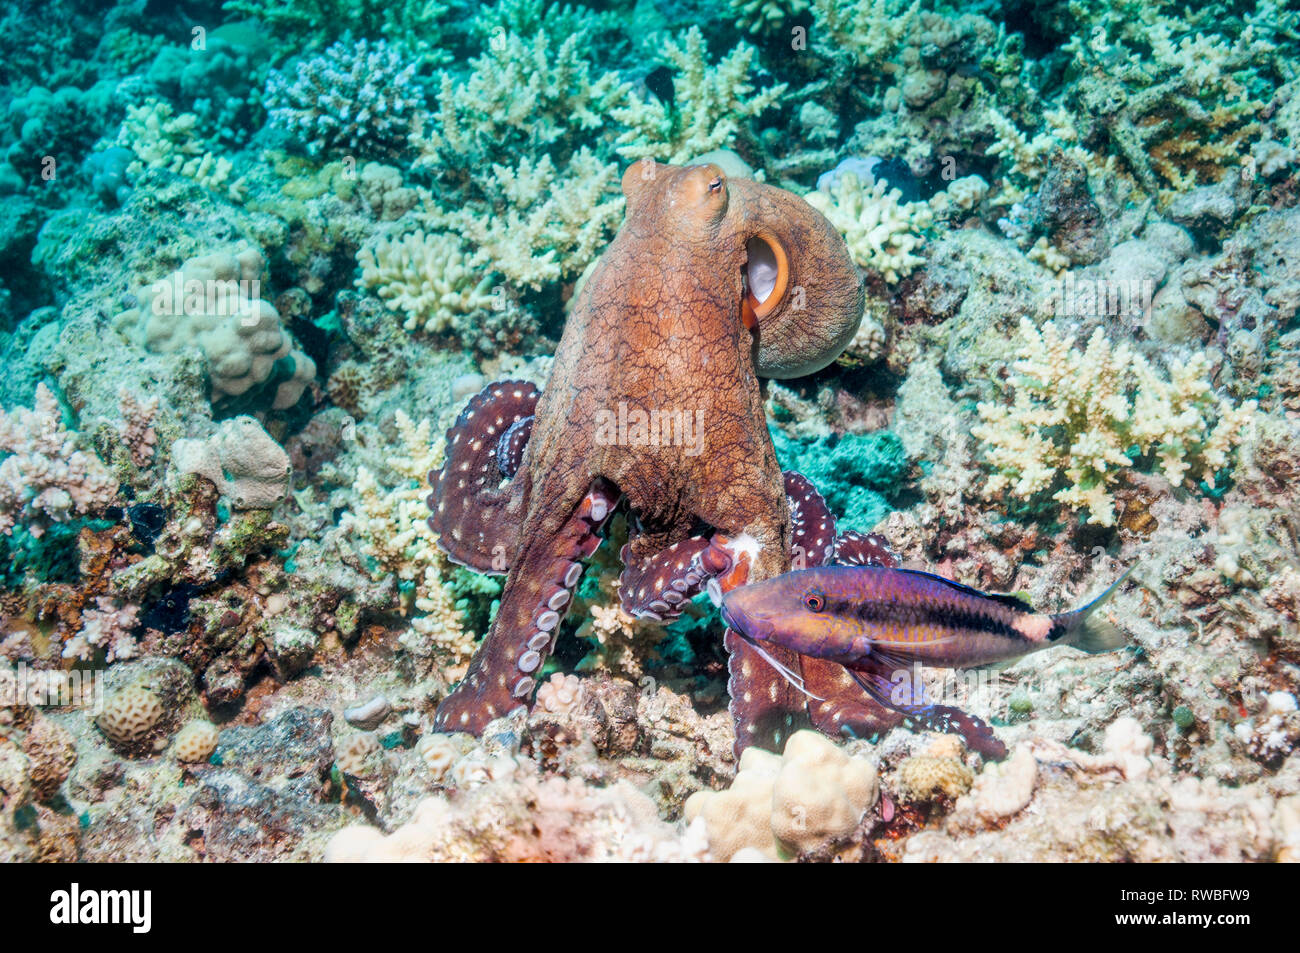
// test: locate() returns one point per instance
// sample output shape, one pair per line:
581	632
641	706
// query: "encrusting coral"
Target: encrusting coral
247	466
1075	417
45	478
511	814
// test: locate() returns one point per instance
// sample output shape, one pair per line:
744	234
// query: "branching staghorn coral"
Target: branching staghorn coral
872	30
162	140
528	17
1079	421
46	478
522	96
429	278
881	232
1180	95
708	106
358	98
543	225
393	531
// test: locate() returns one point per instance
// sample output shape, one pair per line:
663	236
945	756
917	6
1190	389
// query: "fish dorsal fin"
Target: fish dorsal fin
1013	602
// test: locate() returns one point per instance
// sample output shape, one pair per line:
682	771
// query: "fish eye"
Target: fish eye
814	600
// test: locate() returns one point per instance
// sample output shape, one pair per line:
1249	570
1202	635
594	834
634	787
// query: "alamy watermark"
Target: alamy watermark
229	297
51	688
634	427
1101	297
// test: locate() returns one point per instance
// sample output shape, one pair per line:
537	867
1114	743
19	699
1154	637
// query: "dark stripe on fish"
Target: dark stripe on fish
950	617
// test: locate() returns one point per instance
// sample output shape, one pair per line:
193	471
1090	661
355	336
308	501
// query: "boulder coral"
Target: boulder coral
780	806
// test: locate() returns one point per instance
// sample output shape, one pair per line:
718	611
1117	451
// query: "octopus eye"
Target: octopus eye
715	185
814	601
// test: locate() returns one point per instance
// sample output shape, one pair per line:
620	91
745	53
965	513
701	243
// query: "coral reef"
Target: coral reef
258	254
44	478
358	99
1076	415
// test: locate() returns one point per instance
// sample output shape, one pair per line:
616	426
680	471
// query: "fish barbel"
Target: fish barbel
876	622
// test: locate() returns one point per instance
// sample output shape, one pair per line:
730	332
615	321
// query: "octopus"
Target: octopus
711	285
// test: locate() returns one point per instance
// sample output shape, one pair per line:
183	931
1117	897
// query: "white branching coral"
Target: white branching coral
872	30
359	98
46	478
759	16
522	94
882	233
429	278
1077	422
545	226
709	104
392	529
108	626
162	140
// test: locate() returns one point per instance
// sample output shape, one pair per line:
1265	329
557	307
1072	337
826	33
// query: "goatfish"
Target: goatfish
878	623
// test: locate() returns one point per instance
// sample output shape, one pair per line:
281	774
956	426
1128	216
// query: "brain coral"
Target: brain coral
215	301
195	742
782	806
130	714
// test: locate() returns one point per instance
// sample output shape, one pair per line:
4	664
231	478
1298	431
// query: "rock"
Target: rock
247	466
241	820
294	751
1065	209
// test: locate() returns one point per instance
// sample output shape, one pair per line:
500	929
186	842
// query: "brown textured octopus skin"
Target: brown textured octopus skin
664	322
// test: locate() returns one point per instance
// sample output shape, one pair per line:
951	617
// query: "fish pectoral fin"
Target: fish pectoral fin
890	680
906	695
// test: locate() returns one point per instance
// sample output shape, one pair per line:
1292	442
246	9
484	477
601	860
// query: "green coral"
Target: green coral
854	472
417	25
709	104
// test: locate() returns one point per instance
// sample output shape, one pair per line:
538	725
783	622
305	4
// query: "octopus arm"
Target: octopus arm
480	494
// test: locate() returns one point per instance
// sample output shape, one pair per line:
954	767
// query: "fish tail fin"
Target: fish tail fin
1087	630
